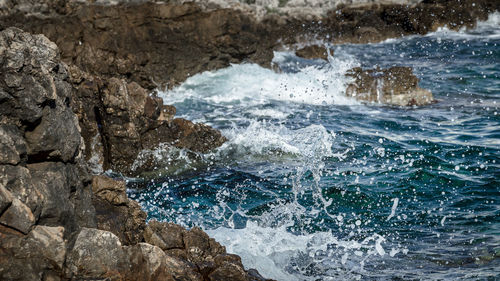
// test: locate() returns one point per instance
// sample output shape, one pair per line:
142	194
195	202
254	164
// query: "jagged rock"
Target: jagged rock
313	52
48	211
153	44
12	145
18	216
393	86
150	262
115	212
167	236
200	247
37	95
97	254
5	198
121	119
29	257
56	137
59	184
18	181
196	247
110	190
48	242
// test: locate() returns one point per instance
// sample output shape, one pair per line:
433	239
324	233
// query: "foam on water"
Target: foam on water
264	138
251	84
281	255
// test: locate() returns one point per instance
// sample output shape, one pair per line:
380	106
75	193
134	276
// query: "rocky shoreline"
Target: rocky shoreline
77	100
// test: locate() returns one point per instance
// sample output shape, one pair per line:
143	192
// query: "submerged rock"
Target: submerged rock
393	86
313	52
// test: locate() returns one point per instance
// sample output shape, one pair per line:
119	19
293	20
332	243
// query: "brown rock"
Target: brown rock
200	247
167	236
12	145
313	52
5	198
393	86
115	212
228	271
26	257
110	190
18	216
96	254
49	242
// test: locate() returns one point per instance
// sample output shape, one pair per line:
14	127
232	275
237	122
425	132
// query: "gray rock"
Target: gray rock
5	198
12	145
18	216
96	254
56	137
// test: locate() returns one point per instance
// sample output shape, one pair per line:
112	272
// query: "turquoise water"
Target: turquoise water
315	186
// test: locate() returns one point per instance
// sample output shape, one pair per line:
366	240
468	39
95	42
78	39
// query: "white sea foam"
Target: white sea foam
262	137
489	29
251	84
281	255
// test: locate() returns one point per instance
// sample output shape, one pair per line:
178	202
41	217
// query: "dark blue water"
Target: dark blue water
314	186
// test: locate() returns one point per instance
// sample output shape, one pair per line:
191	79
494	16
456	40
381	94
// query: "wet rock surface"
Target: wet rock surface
56	221
393	86
313	52
120	119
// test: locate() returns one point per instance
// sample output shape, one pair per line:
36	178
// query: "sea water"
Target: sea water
312	185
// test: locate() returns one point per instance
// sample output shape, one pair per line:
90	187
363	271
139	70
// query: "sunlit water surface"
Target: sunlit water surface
312	185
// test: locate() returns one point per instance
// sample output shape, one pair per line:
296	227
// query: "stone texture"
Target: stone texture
110	190
115	212
167	236
18	216
5	198
313	52
96	254
12	145
121	119
394	86
56	222
155	45
50	242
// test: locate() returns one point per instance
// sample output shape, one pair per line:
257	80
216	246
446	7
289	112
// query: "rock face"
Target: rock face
120	119
57	222
45	189
393	86
153	44
161	43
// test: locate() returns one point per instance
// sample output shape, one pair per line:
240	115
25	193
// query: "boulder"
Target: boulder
167	236
313	52
5	198
97	254
12	145
29	257
393	86
18	216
